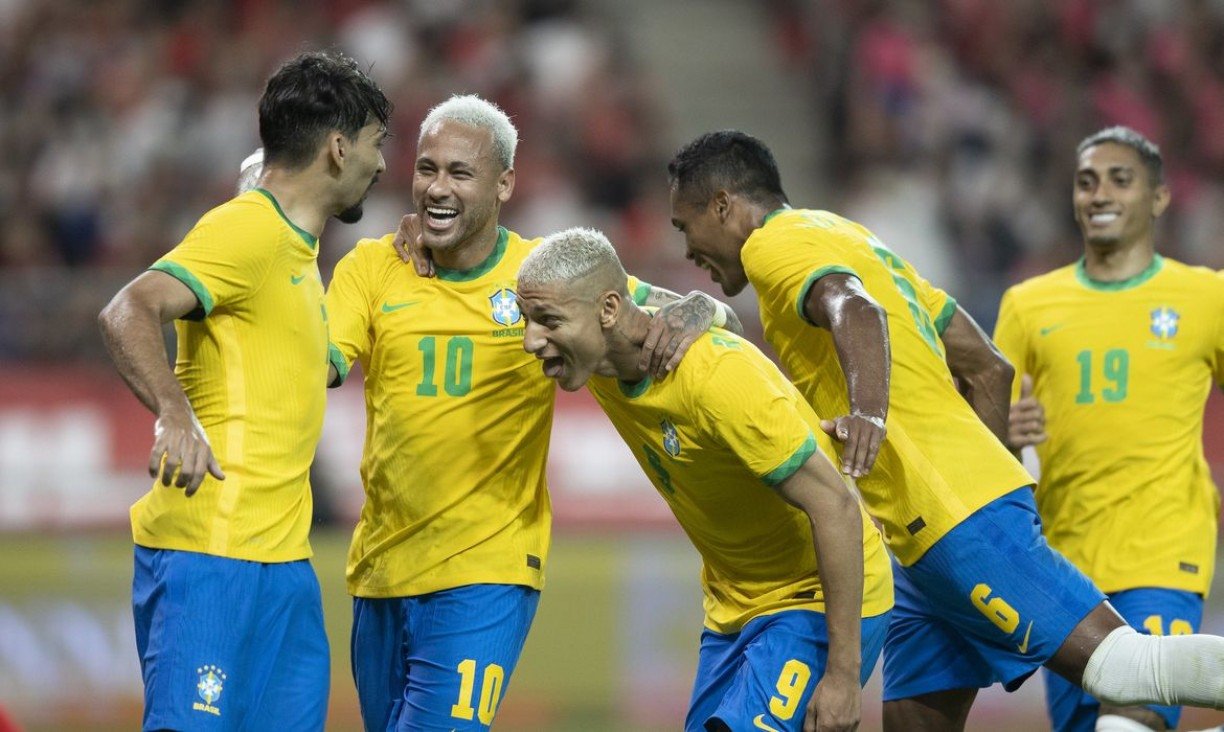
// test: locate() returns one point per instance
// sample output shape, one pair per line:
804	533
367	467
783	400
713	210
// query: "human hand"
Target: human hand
862	436
1026	418
409	247
835	706
673	330
180	445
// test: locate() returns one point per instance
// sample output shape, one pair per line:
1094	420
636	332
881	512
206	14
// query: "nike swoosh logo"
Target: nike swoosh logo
1023	647
759	722
389	308
1050	329
297	280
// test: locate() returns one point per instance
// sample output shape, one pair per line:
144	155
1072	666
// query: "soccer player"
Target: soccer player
449	554
229	620
981	597
796	581
1121	349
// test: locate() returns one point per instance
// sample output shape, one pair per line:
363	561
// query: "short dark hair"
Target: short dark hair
1149	153
730	160
311	95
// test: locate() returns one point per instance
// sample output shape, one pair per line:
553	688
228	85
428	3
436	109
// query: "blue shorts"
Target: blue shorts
1147	610
763	676
989	602
228	644
440	661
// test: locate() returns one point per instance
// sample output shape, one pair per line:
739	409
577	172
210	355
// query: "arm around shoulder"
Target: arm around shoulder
678	324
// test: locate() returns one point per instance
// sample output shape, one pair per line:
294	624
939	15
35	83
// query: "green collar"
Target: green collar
633	391
466	275
775	212
310	239
1081	274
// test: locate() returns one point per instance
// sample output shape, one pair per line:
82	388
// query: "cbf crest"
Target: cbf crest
1164	322
209	687
671	439
505	307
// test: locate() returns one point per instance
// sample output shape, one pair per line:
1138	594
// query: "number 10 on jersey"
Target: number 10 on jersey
457	380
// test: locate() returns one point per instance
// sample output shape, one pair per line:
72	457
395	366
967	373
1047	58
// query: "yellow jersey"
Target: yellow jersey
713	437
252	359
1123	370
458	419
938	463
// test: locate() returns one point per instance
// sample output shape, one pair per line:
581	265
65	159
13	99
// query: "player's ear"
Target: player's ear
722	205
337	148
505	185
609	309
1160	200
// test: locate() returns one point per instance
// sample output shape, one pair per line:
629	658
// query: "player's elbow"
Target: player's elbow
982	364
834	499
124	310
857	310
998	369
110	315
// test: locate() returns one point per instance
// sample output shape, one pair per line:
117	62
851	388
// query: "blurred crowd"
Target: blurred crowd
125	120
948	125
969	112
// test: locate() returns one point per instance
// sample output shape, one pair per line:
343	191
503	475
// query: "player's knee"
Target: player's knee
1130	669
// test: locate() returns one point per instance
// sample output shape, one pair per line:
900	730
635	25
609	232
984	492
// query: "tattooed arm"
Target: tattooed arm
722	315
678	323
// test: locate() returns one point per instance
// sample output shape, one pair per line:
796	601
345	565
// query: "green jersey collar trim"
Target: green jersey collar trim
775	212
182	274
491	261
642	292
336	359
310	239
1081	274
633	391
792	464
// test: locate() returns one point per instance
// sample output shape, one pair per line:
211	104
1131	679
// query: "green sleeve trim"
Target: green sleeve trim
336	359
792	464
945	315
641	292
811	280
182	274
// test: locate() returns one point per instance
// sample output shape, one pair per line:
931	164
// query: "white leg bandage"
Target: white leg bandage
1129	669
1117	723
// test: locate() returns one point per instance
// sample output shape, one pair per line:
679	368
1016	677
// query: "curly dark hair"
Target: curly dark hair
311	95
730	160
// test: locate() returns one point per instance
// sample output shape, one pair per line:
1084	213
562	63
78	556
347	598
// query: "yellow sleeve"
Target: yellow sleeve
791	261
223	259
749	411
1012	339
939	304
348	314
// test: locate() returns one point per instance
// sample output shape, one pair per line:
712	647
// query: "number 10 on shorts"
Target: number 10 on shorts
490	691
